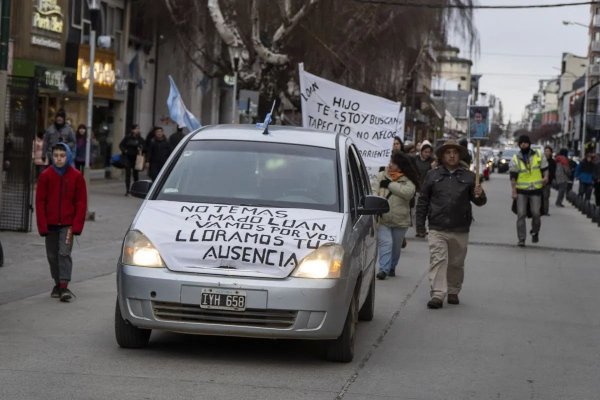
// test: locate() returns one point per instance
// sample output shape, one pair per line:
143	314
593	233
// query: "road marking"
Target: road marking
536	247
379	340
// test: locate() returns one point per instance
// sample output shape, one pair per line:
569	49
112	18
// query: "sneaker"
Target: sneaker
66	295
392	273
535	238
381	275
435	303
453	299
55	292
521	243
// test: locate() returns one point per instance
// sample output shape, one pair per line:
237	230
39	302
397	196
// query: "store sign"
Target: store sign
45	42
48	16
55	78
104	72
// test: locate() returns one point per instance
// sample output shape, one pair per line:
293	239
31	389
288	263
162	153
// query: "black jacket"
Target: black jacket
158	153
131	145
445	200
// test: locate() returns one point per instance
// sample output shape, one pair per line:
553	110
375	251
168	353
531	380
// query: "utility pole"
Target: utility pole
4	40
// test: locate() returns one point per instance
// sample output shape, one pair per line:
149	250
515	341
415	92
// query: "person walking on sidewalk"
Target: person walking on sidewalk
561	176
528	175
58	132
596	177
445	201
131	145
397	183
158	153
60	209
585	174
548	152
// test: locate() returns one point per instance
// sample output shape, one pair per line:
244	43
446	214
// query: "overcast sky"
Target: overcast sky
519	47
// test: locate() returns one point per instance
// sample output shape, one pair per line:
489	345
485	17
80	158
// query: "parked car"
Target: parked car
504	159
255	235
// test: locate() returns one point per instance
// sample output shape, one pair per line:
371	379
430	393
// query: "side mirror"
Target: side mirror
140	189
373	205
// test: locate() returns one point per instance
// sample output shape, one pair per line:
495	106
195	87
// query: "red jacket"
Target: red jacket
60	200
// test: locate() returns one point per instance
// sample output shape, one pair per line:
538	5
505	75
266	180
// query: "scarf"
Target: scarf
395	175
562	160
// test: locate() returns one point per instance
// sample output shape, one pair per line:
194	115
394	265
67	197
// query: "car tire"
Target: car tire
127	335
342	348
367	311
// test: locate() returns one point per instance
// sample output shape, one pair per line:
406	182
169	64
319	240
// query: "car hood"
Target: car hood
235	240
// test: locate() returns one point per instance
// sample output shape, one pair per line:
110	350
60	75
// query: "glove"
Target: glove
384	183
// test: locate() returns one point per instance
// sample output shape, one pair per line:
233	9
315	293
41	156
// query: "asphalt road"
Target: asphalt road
527	326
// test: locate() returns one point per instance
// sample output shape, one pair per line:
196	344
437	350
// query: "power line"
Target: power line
520	55
484	7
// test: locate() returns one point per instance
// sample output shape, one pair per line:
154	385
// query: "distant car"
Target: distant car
256	235
504	159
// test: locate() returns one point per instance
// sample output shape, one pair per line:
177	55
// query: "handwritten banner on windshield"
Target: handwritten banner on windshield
370	120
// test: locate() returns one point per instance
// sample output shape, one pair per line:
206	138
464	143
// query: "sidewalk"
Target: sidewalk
26	272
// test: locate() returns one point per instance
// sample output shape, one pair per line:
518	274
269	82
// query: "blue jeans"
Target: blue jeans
389	245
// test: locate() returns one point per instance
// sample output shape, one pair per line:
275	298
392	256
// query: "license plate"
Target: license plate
223	299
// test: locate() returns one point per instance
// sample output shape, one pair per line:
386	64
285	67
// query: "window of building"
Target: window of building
112	12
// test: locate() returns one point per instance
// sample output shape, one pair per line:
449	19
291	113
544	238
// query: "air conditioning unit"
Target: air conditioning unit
104	42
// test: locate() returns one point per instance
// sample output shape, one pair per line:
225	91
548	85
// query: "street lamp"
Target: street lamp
234	54
94	6
575	23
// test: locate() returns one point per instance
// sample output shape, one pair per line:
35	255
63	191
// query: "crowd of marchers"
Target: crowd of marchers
433	190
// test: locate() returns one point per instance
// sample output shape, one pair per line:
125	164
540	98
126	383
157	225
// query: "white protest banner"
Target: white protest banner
257	241
371	121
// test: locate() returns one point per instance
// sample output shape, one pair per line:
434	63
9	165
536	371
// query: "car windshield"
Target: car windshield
254	174
508	153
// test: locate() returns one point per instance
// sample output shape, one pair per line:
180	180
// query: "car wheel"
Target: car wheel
127	335
367	311
342	348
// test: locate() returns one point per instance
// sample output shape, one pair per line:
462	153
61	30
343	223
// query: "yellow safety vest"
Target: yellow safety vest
530	175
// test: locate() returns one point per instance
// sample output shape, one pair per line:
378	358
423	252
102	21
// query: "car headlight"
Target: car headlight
325	262
502	161
140	252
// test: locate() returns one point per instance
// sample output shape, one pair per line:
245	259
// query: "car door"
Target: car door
361	224
370	239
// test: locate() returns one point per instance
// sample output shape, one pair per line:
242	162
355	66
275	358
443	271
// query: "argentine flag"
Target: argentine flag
177	110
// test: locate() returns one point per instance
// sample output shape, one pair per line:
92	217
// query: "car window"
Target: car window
253	173
364	176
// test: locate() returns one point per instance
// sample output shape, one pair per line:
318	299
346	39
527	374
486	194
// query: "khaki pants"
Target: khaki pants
448	251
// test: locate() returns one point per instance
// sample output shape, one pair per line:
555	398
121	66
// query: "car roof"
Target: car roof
277	134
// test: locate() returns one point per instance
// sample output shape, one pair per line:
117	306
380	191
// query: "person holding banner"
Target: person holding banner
445	201
398	183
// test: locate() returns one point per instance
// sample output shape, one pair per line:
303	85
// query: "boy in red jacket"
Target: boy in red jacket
60	208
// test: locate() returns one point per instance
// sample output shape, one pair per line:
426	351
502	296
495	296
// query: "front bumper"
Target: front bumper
294	308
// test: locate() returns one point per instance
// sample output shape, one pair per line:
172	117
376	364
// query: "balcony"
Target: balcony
594	70
596	21
593	121
595	46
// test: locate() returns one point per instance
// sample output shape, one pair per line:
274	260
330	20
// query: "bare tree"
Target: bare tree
375	48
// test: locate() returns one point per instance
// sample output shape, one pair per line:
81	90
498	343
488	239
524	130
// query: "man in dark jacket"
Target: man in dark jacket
445	201
176	137
60	209
58	132
548	153
158	153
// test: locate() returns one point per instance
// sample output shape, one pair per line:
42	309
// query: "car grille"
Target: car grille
251	317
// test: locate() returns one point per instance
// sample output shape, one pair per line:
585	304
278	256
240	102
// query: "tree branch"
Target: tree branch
288	26
227	32
263	53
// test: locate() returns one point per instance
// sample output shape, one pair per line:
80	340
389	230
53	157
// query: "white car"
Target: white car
250	234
